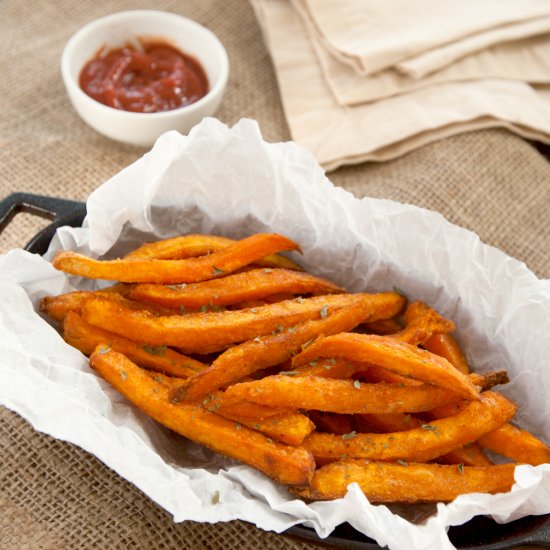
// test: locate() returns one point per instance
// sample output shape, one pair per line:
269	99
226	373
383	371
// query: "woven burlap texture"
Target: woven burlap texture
54	495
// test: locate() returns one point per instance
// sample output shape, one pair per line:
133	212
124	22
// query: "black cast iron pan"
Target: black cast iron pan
479	533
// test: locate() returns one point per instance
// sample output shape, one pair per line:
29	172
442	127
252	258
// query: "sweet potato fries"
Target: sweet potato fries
237	348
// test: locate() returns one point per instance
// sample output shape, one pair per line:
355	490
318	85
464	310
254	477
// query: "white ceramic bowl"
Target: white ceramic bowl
120	28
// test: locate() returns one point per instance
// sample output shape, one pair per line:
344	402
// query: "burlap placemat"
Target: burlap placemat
54	495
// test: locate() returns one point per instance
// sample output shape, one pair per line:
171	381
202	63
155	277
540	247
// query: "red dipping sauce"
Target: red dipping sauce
159	78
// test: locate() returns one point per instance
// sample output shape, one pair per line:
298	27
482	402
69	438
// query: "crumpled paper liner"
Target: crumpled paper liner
230	182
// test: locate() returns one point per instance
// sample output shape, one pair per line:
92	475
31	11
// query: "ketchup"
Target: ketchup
158	78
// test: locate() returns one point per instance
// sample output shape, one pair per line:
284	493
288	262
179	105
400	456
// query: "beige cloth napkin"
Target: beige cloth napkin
386	129
527	60
433	60
372	35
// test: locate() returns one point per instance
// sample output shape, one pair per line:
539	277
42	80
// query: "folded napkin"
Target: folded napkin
385	129
527	60
433	60
372	35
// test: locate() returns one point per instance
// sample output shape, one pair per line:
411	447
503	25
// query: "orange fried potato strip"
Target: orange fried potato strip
446	346
519	445
334	423
221	403
285	464
373	374
290	429
191	246
191	270
412	483
86	338
469	455
422	321
384	327
249	285
341	396
329	368
398	357
385	423
57	307
422	444
262	352
214	331
341	368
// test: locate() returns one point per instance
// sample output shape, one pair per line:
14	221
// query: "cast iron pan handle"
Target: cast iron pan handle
60	211
539	538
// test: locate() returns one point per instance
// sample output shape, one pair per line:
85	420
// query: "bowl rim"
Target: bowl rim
73	87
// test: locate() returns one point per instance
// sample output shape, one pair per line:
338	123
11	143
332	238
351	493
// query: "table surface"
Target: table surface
54	495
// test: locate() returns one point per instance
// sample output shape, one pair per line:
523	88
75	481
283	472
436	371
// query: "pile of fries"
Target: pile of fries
237	348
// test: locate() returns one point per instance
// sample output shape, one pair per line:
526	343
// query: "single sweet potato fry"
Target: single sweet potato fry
86	338
191	246
372	374
412	483
490	379
250	285
446	346
342	368
282	296
57	307
214	331
398	357
422	444
519	445
342	396
422	321
333	423
384	327
262	352
330	368
385	423
190	270
247	304
181	247
291	428
286	464
455	404
221	403
468	455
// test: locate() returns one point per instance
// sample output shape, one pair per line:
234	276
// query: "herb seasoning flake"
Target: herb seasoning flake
154	350
429	427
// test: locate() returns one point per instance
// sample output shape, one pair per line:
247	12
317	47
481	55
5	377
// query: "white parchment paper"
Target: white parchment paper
230	182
